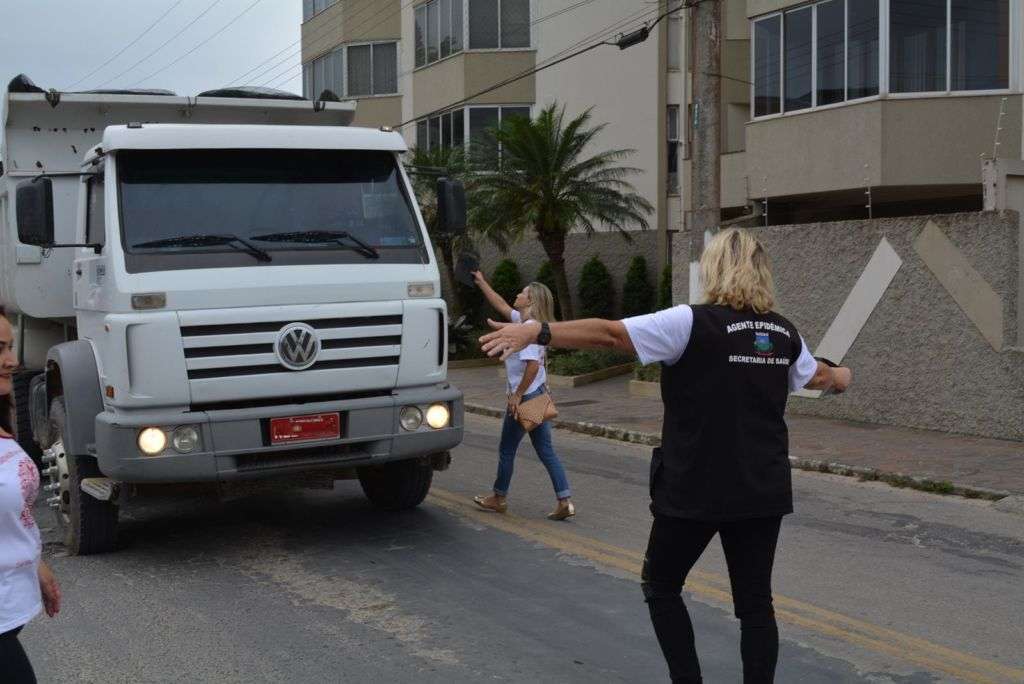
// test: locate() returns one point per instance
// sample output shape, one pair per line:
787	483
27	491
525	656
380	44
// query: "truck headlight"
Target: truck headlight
411	418
185	439
437	416
152	441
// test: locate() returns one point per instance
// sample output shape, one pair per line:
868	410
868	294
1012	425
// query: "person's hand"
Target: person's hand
478	278
841	379
514	400
50	589
508	338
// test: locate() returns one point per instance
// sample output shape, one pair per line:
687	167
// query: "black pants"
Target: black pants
749	545
13	661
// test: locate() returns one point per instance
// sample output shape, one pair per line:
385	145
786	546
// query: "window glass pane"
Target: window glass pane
980	45
446	28
319	76
862	56
458	128
456	25
359	70
798	60
95	218
385	68
421	134
766	66
483	25
831	46
917	37
675	37
509	112
421	38
446	130
307	81
672	122
307	9
432	31
515	23
435	132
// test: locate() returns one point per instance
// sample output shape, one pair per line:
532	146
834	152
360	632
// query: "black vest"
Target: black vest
724	451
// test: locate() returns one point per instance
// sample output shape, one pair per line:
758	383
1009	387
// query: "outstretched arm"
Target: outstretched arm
588	333
826	377
493	297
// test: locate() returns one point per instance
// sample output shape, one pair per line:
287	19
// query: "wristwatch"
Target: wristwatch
544	336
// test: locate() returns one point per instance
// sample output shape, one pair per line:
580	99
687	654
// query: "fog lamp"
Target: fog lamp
437	416
152	441
185	439
411	418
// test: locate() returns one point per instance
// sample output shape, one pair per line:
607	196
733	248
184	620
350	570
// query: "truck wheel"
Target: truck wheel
87	524
23	420
397	486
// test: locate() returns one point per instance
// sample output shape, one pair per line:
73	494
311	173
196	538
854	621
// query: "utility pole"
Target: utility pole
705	174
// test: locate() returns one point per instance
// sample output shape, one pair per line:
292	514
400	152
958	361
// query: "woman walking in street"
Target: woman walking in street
727	368
26	583
527	378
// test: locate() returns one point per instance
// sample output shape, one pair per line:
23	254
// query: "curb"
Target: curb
898	480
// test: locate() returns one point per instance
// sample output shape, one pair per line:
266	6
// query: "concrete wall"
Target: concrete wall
378	111
919	360
611	248
351	21
452	79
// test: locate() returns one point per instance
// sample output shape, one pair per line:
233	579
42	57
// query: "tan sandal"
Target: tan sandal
563	512
482	502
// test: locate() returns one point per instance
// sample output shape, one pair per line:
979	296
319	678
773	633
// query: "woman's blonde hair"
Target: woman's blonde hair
735	272
542	303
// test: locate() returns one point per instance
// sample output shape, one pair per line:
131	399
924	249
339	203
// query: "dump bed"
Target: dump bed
51	132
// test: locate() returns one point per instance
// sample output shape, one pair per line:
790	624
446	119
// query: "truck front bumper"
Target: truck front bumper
235	445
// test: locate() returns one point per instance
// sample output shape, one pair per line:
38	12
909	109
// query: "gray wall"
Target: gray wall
612	249
919	361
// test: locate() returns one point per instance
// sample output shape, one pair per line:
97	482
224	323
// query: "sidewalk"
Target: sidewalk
934	461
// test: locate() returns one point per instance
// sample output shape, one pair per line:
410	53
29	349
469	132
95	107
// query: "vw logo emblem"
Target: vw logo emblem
297	346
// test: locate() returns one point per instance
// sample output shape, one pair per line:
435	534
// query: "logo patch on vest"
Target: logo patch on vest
763	344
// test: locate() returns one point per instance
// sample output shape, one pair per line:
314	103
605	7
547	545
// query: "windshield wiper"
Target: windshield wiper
322	237
207	240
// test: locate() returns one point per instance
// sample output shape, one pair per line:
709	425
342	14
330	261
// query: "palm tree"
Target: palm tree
534	174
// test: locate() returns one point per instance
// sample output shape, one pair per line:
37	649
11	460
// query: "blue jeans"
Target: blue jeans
511	434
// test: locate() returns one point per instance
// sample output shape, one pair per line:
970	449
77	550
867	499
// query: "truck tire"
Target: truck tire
397	486
23	420
88	525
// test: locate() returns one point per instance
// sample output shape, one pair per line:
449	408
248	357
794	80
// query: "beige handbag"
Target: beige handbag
533	412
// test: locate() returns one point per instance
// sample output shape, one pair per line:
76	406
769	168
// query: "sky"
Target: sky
57	43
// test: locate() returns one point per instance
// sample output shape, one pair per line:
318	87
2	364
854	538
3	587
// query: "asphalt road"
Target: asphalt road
873	584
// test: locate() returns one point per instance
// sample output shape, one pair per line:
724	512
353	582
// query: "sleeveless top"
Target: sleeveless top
725	446
20	544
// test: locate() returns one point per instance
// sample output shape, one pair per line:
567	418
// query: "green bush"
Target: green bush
506	280
637	293
665	288
586	361
596	290
648	373
546	275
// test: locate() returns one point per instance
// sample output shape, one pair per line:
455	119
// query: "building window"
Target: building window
324	73
972	37
797	65
861	49
311	8
445	130
372	69
497	24
767	62
675	39
438	28
672	124
829	80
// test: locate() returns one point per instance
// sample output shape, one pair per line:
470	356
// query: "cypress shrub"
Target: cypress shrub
506	280
637	293
596	290
665	288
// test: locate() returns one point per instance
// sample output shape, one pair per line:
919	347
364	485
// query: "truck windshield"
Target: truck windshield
300	206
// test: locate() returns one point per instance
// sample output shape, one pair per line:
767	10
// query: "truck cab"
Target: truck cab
240	301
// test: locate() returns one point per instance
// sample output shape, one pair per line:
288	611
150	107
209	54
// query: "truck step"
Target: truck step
101	488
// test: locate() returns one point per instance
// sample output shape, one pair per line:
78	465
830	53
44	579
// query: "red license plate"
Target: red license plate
305	428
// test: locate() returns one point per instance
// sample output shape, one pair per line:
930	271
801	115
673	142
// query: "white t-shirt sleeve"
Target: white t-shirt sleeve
515	316
661	336
803	370
532	352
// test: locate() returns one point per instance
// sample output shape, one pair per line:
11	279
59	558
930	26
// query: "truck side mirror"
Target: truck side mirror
34	202
451	206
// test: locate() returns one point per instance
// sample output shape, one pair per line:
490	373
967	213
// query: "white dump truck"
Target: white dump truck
230	287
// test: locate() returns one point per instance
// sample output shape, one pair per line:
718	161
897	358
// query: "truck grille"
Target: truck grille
239	349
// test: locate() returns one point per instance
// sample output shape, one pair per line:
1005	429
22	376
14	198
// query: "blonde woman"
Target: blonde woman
728	366
526	379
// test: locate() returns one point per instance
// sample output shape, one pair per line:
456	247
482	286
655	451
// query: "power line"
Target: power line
122	50
164	44
199	45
